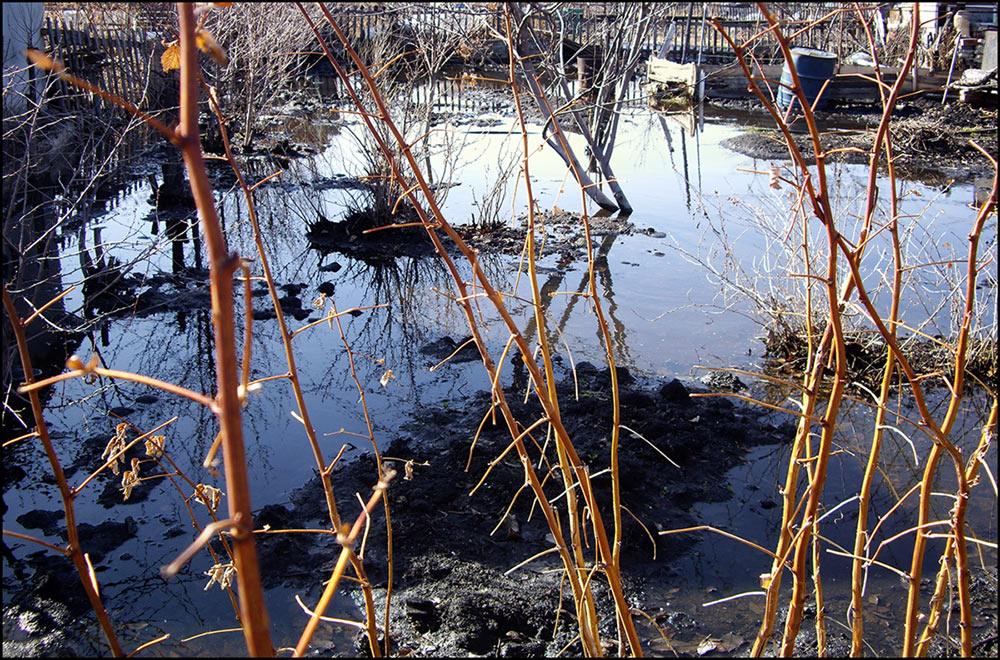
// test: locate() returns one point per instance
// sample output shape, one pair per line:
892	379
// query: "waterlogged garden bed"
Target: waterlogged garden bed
460	584
684	461
932	142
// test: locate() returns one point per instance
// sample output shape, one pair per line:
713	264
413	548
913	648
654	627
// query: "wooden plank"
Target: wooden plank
100	44
665	71
70	55
726	85
138	49
773	71
113	54
122	67
133	74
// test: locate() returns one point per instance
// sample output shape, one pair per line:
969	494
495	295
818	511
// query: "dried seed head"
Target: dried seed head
221	573
386	377
115	446
208	495
130	479
154	445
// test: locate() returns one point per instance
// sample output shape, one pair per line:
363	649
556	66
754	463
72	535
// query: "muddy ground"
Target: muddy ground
932	143
451	589
452	595
558	232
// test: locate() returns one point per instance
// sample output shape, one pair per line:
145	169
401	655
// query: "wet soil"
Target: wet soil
453	591
932	143
369	235
557	232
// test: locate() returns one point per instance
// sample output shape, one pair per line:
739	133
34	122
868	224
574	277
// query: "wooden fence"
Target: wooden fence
105	139
694	35
116	59
683	31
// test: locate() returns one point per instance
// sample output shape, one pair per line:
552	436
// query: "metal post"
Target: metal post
951	70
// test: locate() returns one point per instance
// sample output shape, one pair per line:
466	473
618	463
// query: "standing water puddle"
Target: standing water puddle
667	315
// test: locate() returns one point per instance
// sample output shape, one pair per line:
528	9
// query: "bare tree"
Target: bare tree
265	43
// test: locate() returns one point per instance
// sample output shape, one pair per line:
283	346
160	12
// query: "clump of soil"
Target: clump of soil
557	232
867	351
348	236
452	550
931	143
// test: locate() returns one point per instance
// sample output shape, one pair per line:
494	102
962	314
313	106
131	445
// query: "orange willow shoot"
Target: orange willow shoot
226	405
67	494
798	529
303	415
346	538
223	266
569	556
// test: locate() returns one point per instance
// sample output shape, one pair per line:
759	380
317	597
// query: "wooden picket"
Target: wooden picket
115	59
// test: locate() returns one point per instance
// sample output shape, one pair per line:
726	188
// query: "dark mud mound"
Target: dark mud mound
557	232
452	551
349	237
454	607
447	348
931	144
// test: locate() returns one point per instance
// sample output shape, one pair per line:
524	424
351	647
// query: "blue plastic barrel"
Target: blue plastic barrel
814	67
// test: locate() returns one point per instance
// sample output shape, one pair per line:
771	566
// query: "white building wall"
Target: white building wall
22	25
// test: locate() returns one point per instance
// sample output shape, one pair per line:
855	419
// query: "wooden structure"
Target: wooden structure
850	82
117	59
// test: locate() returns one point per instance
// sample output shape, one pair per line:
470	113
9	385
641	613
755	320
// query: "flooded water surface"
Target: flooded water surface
707	225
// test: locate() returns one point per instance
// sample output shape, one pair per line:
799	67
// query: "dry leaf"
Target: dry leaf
730	642
775	178
765	580
208	495
154	445
207	44
708	645
386	377
171	58
221	573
